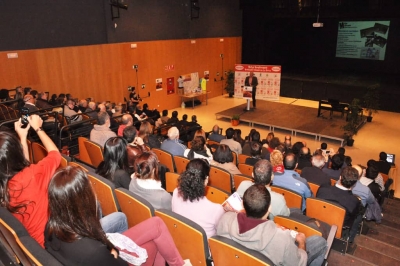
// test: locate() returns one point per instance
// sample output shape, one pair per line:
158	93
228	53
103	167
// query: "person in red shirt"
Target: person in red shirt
23	186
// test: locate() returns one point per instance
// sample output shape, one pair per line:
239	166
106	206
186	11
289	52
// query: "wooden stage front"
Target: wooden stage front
292	118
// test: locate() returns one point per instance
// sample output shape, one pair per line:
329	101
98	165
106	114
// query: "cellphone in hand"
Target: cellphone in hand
24	117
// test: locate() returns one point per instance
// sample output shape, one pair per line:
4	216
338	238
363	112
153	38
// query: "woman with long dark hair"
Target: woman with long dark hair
188	198
23	186
115	165
74	235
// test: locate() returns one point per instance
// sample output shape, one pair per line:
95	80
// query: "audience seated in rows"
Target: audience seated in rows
233	145
41	101
253	230
134	148
72	206
163	119
71	113
314	174
172	144
223	158
263	175
291	180
174	118
189	199
146	181
255	153
102	132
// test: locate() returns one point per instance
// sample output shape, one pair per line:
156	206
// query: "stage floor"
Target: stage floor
293	118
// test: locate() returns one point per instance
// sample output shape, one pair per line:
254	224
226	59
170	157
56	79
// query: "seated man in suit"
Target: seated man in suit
314	174
253	230
172	144
342	194
215	136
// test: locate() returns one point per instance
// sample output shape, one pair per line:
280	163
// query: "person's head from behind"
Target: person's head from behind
165	113
262	172
229	133
255	136
200	132
12	161
184	117
192	182
297	147
145	129
337	161
318	161
146	166
324	146
290	161
237	135
274	142
173	133
129	133
382	156
276	158
255	149
115	154
341	151
127	120
372	170
215	129
175	114
198	143
223	154
194	118
270	136
256	202
73	207
348	177
305	152
103	119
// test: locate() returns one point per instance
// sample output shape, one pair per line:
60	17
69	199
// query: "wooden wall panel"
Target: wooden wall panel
105	71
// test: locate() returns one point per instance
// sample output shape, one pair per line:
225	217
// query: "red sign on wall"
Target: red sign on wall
169	68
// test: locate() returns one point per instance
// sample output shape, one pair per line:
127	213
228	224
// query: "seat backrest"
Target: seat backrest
293	224
20	244
292	198
246	169
95	152
171	181
235	160
298	171
64	161
216	195
220	178
136	208
328	212
38	152
314	188
211	142
180	163
242	158
83	153
165	158
333	182
225	251
237	179
104	189
190	238
75	164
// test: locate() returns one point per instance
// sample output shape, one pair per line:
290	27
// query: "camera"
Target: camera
24	117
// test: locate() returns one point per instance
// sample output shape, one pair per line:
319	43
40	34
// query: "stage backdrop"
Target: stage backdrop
269	80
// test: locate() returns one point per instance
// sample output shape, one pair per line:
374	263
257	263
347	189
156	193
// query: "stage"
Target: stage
292	118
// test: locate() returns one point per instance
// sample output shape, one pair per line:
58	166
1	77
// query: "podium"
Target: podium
247	94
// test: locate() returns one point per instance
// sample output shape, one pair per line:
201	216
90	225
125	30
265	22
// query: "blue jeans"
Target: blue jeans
316	248
115	222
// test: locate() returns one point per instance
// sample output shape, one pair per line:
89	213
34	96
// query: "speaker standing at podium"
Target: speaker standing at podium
252	81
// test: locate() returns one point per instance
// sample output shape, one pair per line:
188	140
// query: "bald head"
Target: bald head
173	133
127	120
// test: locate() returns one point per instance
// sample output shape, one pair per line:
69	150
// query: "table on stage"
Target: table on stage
193	95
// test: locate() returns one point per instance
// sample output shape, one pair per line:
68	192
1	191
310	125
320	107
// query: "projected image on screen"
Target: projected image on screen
362	39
